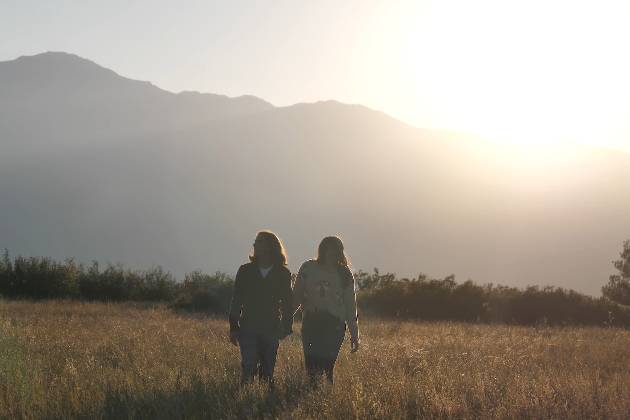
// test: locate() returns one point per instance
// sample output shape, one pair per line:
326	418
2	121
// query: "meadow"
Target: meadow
72	359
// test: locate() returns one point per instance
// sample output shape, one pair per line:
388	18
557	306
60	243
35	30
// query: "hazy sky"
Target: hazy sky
542	72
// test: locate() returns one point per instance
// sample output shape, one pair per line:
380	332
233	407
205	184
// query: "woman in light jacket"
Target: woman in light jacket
324	289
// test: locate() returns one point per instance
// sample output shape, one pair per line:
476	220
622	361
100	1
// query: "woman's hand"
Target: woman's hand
354	345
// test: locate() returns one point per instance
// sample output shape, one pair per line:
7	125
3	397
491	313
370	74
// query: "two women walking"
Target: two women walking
263	306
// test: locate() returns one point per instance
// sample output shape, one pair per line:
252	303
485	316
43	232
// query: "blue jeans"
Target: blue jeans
258	356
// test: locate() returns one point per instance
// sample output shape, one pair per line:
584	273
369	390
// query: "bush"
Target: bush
378	294
445	299
38	277
115	283
618	287
206	293
43	278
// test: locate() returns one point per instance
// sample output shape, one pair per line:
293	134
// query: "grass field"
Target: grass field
93	360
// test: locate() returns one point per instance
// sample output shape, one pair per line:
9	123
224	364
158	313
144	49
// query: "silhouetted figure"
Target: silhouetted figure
324	288
261	312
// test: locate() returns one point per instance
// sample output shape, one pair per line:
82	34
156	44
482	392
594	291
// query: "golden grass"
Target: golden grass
63	359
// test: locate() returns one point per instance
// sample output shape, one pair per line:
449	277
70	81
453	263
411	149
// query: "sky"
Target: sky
540	73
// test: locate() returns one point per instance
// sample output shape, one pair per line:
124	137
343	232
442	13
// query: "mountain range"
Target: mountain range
97	166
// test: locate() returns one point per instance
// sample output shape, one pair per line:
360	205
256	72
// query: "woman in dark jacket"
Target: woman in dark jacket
261	312
324	289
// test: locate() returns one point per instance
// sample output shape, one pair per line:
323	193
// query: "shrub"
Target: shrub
204	292
43	278
445	299
618	287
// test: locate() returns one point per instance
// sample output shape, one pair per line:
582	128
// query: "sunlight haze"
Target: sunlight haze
315	209
544	73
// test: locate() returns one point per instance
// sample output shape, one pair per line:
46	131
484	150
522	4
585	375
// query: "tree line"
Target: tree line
378	294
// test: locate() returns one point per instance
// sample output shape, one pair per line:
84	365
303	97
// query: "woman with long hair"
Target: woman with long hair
325	291
261	312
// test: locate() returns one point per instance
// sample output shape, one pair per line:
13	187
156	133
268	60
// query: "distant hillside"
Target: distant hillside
95	165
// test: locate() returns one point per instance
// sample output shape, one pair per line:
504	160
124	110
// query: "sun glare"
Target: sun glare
545	74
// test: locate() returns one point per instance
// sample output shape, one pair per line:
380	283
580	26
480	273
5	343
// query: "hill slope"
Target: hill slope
98	166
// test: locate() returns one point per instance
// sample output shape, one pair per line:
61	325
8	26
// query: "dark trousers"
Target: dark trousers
322	335
258	356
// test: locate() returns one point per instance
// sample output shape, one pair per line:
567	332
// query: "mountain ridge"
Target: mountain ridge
61	56
145	176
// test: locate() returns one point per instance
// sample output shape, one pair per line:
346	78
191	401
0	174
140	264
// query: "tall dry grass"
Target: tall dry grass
63	359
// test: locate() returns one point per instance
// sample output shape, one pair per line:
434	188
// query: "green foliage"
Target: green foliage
420	297
38	277
204	292
378	294
557	306
618	287
445	299
117	283
43	278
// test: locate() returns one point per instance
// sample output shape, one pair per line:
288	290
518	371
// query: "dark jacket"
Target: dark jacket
262	305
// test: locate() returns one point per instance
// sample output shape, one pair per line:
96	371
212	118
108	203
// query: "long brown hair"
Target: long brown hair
343	262
279	254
